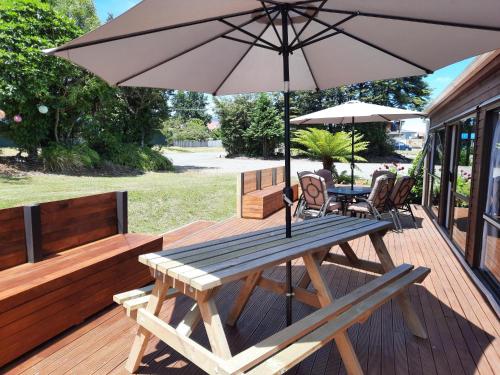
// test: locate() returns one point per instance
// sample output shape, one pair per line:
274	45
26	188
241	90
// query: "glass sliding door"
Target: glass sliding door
463	142
435	172
490	256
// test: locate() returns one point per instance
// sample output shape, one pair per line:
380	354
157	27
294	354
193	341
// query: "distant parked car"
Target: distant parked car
400	146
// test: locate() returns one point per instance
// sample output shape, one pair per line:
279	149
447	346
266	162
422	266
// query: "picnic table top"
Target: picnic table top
211	264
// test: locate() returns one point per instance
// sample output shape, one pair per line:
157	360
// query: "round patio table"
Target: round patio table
346	194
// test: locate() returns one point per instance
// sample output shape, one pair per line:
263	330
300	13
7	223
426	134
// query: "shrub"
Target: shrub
416	192
140	158
59	158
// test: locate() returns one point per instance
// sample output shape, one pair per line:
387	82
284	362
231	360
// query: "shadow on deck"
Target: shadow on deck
463	330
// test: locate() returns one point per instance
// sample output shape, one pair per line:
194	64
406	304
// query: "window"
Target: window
490	259
462	176
435	171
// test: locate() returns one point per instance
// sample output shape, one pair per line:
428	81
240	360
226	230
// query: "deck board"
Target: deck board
463	330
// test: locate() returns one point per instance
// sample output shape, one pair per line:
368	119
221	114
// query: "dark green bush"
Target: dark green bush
140	158
59	158
416	192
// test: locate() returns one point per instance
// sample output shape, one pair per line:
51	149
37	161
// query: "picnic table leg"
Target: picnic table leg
190	321
344	345
306	279
213	326
411	318
142	337
242	299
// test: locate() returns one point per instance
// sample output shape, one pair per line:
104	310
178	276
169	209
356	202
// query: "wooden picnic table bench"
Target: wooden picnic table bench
199	270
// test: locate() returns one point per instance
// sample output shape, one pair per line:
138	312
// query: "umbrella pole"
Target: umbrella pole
287	190
352	154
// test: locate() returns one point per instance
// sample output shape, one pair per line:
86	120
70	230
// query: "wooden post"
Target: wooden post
33	233
275	172
122	211
240	186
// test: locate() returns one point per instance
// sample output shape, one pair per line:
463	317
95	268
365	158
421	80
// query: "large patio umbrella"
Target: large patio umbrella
353	112
241	46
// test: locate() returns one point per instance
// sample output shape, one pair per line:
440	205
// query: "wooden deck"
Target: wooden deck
463	330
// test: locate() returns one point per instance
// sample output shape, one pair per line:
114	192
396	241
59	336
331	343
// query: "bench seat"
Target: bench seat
259	204
40	300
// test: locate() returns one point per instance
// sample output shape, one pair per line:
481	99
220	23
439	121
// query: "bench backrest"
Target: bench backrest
30	233
12	238
73	222
260	179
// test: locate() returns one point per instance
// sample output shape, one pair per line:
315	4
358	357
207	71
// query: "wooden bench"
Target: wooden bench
260	193
63	262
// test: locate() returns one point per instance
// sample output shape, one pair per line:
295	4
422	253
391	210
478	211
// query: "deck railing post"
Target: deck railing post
122	211
33	233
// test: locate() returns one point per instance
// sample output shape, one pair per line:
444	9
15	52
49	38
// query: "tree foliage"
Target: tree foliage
190	105
266	128
82	12
329	147
81	107
176	129
235	117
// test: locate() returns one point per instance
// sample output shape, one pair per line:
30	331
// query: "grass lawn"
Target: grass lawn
157	201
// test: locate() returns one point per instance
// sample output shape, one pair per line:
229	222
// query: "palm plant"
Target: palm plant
329	147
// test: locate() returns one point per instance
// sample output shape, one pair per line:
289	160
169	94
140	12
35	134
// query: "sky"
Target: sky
437	81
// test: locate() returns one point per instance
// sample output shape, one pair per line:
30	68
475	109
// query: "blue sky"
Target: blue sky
437	81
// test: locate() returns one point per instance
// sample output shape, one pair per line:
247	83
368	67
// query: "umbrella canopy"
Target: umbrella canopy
360	111
240	46
353	112
230	46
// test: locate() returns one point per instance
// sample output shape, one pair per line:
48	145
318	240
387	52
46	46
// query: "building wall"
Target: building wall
477	95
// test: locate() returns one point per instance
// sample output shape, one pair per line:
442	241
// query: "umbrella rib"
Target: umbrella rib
254	43
311	39
304	53
366	42
155	30
240	29
271	20
186	51
242	57
297	35
305	44
402	18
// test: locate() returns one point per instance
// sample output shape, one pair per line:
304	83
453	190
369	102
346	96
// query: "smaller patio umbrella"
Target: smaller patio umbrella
353	112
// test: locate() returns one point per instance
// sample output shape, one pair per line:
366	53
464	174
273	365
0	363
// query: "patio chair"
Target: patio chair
399	198
300	201
316	202
327	176
378	173
377	202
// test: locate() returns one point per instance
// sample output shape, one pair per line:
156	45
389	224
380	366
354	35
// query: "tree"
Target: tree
188	104
29	79
234	117
329	147
192	130
265	130
83	12
145	111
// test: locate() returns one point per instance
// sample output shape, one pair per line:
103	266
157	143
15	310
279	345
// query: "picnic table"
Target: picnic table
199	271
